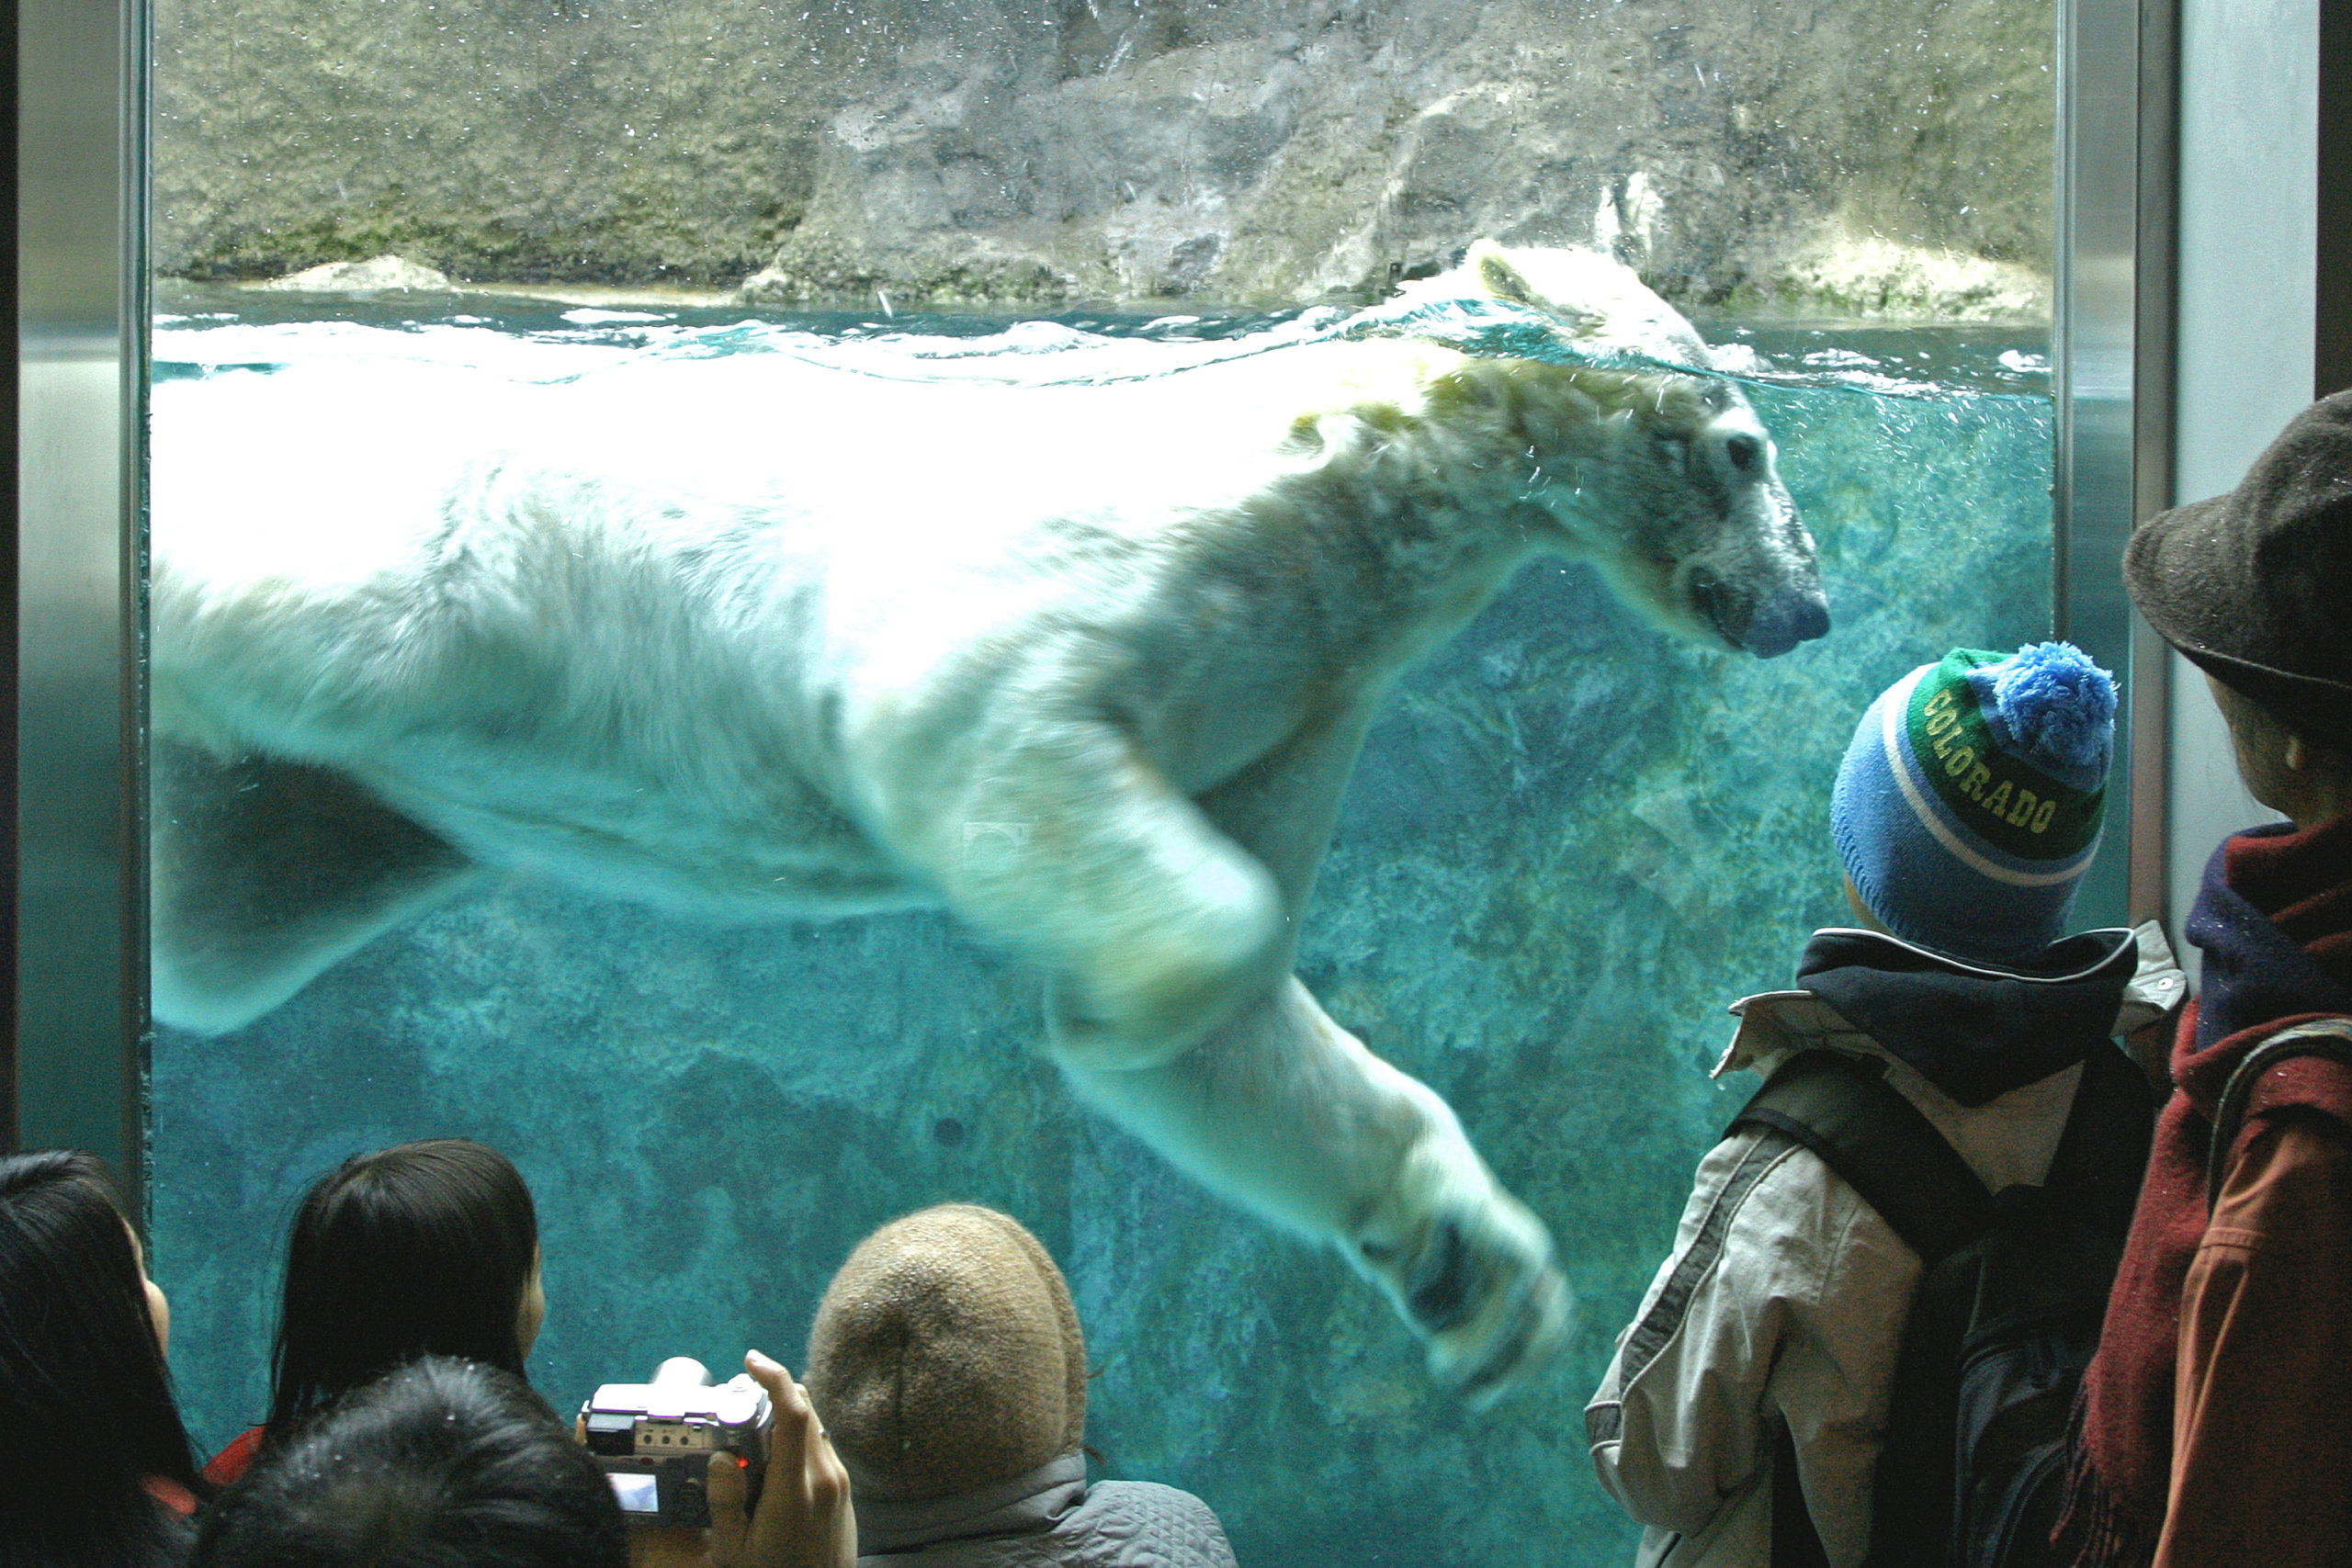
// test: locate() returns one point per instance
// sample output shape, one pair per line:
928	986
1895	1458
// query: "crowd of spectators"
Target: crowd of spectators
402	1431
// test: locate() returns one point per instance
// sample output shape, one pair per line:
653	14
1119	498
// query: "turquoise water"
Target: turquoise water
1570	843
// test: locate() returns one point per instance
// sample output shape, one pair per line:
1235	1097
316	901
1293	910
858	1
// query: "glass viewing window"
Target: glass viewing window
771	609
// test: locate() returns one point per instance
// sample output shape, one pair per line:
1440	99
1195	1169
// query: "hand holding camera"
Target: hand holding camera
804	1513
747	1459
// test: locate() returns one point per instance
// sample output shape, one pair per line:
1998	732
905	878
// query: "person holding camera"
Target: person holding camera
429	1251
444	1461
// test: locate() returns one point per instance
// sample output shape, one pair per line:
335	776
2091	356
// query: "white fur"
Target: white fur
754	640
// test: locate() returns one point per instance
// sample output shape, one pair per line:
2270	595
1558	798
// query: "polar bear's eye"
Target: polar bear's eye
1745	452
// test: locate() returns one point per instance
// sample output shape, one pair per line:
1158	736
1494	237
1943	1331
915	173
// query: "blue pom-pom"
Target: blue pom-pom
2057	704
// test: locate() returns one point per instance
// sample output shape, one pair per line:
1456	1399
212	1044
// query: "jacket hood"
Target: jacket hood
1974	1031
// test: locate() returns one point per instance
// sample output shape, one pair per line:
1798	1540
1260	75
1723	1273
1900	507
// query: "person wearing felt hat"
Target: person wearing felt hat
1965	812
2216	1423
947	1364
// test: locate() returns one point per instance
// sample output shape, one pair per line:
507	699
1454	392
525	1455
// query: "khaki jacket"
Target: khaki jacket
1784	1301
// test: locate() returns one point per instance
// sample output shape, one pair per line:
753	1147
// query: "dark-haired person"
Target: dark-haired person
439	1461
95	1467
2216	1424
445	1462
423	1249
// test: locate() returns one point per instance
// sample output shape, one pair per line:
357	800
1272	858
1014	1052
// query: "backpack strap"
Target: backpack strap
2104	1150
1843	1109
2328	1037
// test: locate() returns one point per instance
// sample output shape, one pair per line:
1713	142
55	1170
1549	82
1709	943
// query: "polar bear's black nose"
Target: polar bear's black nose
1813	618
1795	615
1767	626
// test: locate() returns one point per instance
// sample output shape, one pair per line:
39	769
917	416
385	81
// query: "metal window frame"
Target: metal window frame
73	1055
2332	345
2112	358
77	1048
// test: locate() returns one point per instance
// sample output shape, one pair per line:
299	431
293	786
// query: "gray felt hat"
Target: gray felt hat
2254	587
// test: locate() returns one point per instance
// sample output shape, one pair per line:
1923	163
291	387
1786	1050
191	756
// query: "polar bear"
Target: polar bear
1089	666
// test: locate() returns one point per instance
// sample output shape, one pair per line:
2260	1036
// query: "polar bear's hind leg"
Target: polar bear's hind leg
266	873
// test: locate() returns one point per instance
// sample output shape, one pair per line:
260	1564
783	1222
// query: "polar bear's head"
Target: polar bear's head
1667	482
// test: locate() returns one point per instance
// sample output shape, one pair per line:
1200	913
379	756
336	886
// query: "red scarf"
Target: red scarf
170	1494
2274	921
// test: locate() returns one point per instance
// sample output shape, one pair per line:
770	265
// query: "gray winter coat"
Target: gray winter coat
1047	1518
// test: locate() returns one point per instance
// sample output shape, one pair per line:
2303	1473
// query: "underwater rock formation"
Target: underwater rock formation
1887	159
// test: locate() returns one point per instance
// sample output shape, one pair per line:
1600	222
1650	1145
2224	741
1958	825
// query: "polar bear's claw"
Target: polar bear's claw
1540	1322
1493	1313
1475	1277
1442	1292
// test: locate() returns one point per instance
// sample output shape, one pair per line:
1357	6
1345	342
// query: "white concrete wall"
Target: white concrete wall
2249	128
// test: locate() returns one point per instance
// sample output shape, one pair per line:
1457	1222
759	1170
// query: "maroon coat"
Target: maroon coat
2215	1430
2262	1401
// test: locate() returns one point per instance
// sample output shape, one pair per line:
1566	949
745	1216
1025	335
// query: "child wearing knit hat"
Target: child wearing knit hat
1757	1377
947	1364
1969	803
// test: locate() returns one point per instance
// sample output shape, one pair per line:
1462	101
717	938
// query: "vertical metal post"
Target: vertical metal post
2155	352
9	600
2093	361
81	333
2332	345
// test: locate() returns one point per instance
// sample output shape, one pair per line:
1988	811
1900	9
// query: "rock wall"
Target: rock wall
1885	158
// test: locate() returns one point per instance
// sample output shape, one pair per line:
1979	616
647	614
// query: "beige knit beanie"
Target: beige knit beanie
947	1357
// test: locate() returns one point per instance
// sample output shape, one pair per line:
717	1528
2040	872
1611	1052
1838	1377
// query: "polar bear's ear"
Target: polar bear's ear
1498	275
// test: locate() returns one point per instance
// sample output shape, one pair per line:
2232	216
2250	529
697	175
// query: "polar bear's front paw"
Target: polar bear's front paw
1471	1272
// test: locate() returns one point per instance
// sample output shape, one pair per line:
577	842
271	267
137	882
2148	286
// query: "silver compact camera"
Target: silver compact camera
655	1441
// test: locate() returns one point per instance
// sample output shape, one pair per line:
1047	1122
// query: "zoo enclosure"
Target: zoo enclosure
79	1037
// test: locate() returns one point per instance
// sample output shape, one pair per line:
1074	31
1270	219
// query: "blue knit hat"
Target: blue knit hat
1969	803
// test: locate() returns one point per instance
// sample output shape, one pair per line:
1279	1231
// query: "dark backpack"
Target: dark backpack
2012	1293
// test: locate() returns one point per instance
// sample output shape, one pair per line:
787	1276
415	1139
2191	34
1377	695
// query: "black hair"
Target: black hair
442	1463
423	1249
85	1398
